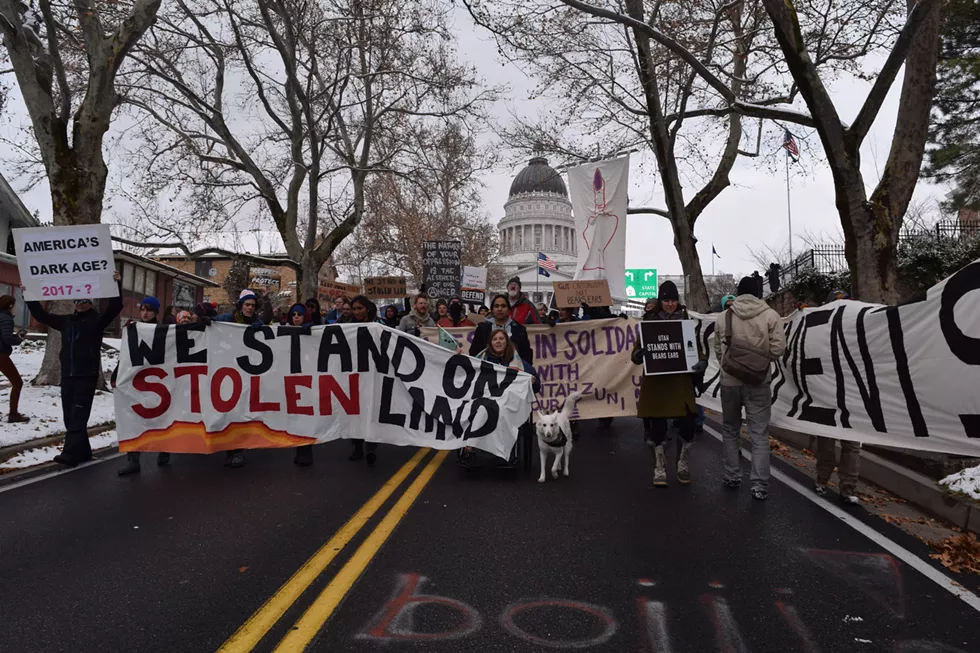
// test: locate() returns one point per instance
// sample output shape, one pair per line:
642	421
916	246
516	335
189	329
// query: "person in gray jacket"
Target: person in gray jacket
756	325
8	340
418	317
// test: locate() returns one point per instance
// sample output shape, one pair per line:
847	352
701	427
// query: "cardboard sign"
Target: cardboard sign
441	269
572	294
66	262
385	287
264	278
331	289
669	346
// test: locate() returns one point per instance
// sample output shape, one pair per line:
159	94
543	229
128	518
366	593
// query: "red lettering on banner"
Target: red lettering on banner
255	403
225	405
142	384
195	372
349	402
292	385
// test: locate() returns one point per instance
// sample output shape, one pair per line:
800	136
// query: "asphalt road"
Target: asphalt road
416	555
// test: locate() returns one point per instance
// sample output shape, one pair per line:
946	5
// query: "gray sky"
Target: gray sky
750	213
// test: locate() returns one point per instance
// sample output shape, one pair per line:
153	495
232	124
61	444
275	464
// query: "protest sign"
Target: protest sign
265	279
474	286
66	262
669	346
197	389
441	270
331	289
385	287
572	294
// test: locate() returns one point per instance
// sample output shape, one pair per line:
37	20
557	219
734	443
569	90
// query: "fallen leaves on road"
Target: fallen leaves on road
959	553
242	570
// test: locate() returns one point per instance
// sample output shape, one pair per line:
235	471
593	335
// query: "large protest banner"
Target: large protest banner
65	262
197	389
598	192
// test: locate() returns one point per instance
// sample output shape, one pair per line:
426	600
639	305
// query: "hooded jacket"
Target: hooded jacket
753	323
8	337
412	322
523	310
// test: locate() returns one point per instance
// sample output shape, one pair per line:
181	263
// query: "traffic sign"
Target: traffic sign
641	283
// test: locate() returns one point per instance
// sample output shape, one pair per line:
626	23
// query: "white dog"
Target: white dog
554	432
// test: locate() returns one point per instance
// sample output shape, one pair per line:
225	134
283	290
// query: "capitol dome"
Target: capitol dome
538	218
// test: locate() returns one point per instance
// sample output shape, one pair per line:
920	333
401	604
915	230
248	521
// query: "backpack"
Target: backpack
746	363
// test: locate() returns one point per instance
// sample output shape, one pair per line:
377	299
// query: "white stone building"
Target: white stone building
537	218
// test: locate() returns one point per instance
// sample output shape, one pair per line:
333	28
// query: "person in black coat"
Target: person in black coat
500	318
81	365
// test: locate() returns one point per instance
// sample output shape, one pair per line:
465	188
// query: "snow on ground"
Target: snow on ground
42	455
965	482
43	404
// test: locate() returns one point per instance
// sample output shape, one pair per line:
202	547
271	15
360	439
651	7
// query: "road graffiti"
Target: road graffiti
396	620
599	615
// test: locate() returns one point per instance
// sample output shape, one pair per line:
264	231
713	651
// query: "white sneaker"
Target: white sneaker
820	489
850	500
659	469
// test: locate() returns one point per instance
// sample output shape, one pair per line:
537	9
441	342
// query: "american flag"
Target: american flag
789	144
546	265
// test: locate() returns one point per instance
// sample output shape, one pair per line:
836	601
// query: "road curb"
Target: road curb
6	453
912	486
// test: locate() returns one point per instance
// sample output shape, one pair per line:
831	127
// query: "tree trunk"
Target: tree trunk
696	294
308	282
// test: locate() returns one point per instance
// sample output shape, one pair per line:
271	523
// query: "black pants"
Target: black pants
359	445
77	393
655	429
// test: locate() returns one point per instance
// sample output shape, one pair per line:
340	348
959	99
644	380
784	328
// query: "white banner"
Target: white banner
192	389
599	195
65	262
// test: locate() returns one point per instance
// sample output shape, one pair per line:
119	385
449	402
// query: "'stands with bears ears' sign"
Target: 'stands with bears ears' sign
197	389
65	262
669	346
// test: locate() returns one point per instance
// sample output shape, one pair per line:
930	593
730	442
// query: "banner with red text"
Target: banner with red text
196	389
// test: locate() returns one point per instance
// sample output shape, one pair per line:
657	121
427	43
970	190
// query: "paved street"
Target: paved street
422	557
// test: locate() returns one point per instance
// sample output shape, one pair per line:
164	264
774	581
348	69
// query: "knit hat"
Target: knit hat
152	303
837	294
298	308
668	291
726	299
442	302
247	294
748	286
516	280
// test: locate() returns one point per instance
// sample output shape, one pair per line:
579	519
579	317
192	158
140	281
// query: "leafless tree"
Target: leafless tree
289	107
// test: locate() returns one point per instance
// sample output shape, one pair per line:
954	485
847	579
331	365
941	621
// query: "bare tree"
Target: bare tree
289	107
65	57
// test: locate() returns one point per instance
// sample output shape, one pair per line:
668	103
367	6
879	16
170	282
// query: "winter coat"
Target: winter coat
81	335
517	362
447	323
665	395
8	337
524	312
237	318
332	316
412	322
514	329
755	324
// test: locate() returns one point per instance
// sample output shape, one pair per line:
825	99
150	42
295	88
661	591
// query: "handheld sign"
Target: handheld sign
66	262
669	347
329	290
385	287
441	269
572	294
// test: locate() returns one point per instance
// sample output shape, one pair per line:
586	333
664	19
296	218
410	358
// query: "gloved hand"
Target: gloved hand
700	367
206	321
637	356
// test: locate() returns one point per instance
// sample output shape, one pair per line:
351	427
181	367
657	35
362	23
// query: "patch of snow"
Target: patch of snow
964	482
42	455
862	641
849	619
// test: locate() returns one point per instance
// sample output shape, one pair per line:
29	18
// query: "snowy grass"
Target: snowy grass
966	482
42	455
43	404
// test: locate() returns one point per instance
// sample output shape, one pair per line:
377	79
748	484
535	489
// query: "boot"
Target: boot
237	460
17	418
357	452
132	464
304	456
163	459
683	470
659	468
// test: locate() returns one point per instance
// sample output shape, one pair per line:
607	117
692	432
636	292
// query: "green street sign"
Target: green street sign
641	284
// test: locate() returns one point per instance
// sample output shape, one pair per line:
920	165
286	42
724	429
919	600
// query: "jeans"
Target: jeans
758	407
77	393
847	470
699	418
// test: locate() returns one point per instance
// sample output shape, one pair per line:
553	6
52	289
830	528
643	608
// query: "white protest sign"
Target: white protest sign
65	262
193	389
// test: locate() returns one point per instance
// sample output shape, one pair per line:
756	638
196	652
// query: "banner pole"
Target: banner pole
789	214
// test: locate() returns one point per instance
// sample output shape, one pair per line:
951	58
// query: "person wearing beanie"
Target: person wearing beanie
455	317
442	310
246	312
521	308
8	340
297	315
750	323
313	315
205	310
726	300
668	396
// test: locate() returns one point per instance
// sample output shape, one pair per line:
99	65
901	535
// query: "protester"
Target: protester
205	310
391	316
543	313
850	453
313	315
456	317
244	313
365	311
596	312
81	365
750	325
149	310
168	316
298	316
521	308
566	315
667	396
726	301
9	340
442	310
346	315
501	319
419	317
483	311
185	317
334	314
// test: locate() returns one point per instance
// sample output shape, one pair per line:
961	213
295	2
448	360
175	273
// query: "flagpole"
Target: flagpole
789	213
712	260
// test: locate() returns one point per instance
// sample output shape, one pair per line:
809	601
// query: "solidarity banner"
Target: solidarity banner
598	192
196	389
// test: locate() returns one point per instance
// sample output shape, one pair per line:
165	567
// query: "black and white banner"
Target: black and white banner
903	376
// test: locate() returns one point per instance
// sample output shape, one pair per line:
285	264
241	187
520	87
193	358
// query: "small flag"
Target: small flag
789	144
447	340
546	265
715	252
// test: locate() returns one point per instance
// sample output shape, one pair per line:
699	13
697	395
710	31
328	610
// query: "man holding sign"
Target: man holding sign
65	262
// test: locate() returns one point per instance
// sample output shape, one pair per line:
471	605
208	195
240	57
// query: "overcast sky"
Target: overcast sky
750	213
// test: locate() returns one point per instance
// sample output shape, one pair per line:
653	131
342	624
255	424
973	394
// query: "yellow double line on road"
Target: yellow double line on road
258	625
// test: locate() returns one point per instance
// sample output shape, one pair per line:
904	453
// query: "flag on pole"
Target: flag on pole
546	265
715	252
789	144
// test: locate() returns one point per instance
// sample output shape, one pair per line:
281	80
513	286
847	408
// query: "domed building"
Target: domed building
538	218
